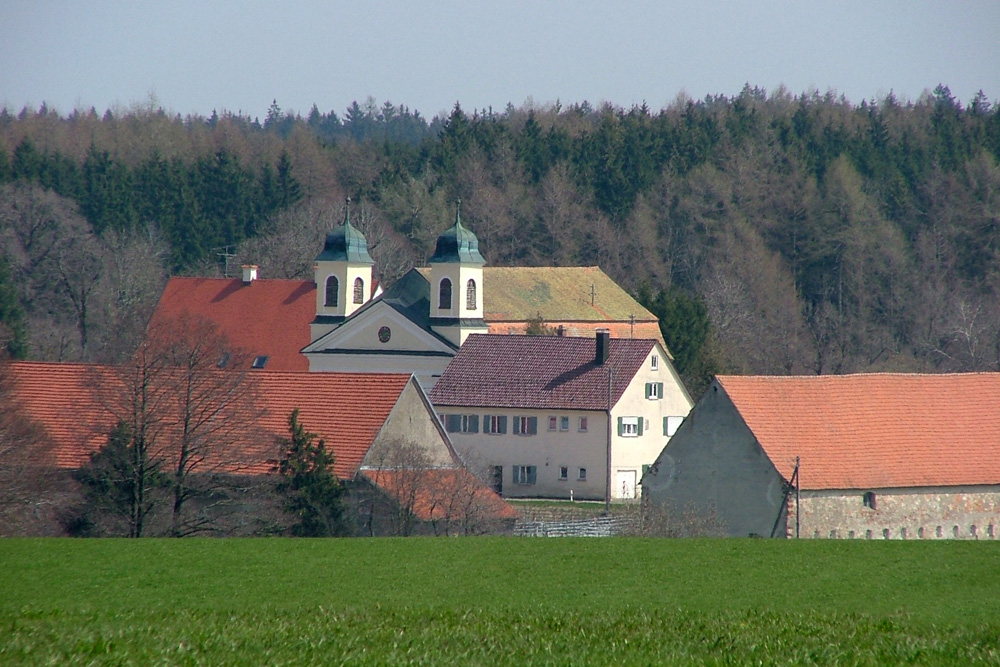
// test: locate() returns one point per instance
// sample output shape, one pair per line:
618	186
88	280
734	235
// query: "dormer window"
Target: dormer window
470	295
359	290
332	292
444	295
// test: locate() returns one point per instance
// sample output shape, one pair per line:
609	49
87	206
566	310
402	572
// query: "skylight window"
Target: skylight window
260	361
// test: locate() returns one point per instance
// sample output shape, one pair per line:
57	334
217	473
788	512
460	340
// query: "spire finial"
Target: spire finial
458	211
347	211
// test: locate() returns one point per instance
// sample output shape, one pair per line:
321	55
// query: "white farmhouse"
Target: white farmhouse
561	417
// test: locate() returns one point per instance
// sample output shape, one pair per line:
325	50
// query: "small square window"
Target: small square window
563	472
564	423
583	424
552	423
583	475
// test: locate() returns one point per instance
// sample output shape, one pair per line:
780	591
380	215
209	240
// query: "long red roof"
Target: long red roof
347	410
871	431
265	317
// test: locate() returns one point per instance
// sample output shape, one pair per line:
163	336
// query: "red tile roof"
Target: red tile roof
875	431
442	494
265	317
346	410
517	371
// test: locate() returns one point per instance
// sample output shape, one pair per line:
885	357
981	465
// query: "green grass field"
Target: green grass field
498	601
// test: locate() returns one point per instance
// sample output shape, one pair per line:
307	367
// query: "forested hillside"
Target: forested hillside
773	233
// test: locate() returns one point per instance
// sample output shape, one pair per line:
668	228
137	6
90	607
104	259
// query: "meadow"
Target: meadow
498	601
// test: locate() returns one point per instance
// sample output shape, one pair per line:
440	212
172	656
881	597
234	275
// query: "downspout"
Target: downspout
607	477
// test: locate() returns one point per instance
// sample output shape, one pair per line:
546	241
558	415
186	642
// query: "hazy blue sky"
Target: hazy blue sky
194	56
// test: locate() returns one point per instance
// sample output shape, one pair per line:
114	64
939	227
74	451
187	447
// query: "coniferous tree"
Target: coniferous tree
312	492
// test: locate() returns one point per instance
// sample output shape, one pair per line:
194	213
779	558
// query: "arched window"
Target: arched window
470	295
444	295
332	291
359	290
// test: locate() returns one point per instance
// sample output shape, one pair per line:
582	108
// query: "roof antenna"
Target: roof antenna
227	253
593	293
347	211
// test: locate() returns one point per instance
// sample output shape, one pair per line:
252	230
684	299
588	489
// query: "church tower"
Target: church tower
343	275
456	278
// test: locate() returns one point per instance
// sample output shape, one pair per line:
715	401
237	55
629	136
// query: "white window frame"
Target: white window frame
563	473
630	427
564	424
581	475
522	475
654	362
553	421
582	428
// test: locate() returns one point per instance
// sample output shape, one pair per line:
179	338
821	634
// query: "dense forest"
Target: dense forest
773	233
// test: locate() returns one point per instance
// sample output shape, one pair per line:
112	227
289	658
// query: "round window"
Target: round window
384	334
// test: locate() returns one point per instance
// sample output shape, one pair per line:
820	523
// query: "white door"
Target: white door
625	485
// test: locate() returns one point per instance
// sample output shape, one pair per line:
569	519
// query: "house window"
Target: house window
259	361
583	425
495	424
359	290
552	423
564	423
444	294
654	362
582	476
524	474
525	425
332	291
630	427
654	390
563	472
462	423
470	295
869	499
671	424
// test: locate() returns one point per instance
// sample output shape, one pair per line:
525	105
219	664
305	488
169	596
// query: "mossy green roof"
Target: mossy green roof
558	294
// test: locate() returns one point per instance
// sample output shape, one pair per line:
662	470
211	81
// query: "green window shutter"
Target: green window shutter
532	470
645	469
659	392
532	425
473	423
639	425
486	424
664	426
453	423
649	389
513	475
503	424
517	425
620	427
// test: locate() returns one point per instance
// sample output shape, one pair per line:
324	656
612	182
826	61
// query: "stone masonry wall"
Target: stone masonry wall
909	514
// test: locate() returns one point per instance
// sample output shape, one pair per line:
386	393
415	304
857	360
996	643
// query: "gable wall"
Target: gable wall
713	476
919	513
630	453
411	420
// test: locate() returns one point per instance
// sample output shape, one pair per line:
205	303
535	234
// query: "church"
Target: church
341	321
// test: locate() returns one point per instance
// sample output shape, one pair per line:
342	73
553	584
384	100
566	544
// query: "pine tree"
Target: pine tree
312	492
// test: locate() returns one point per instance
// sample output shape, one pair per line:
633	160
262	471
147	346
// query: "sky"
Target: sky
196	56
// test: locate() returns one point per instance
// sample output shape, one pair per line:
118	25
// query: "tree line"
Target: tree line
773	233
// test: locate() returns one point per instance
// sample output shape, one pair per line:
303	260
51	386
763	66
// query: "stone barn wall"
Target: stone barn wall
919	513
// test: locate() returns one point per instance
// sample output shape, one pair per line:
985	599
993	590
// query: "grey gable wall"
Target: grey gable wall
713	472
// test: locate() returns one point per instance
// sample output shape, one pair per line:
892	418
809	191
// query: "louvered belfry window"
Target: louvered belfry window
444	295
332	291
359	290
470	295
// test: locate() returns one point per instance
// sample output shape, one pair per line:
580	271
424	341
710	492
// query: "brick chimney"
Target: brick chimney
603	346
249	273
